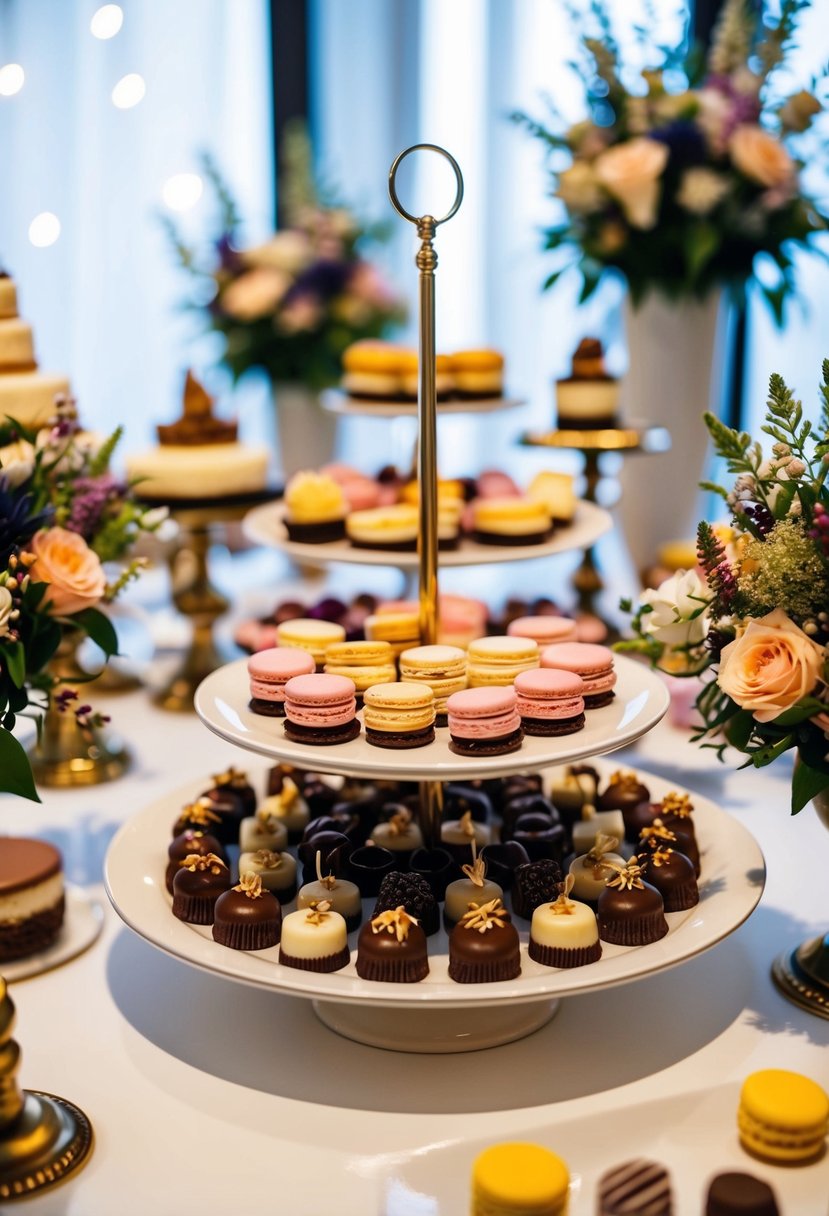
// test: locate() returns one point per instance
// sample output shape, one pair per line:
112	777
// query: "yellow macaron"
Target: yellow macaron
519	1180
783	1116
308	634
392	527
443	668
498	660
511	520
373	355
448	491
365	663
399	715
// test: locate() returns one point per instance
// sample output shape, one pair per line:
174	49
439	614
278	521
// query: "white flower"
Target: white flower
679	610
6	605
289	250
701	189
630	171
16	463
255	293
714	117
579	189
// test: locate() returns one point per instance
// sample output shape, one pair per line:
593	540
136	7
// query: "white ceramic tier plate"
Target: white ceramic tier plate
82	925
641	700
732	882
337	402
265	526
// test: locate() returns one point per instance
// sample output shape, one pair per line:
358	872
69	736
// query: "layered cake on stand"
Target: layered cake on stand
26	394
587	399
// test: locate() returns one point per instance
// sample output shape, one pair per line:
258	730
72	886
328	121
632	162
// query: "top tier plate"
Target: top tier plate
265	526
335	401
641	700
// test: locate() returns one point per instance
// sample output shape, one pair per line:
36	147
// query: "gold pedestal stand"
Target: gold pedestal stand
647	440
431	792
68	754
43	1139
802	975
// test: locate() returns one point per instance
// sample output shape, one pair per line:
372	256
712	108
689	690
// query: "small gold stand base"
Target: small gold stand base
802	976
70	755
48	1140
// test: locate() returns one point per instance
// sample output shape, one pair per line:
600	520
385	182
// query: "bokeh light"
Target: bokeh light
12	77
129	90
44	229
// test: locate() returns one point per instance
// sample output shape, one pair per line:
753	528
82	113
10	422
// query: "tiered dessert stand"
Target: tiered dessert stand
435	1015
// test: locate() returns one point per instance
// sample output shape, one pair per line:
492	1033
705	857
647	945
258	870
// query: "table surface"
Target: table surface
203	1092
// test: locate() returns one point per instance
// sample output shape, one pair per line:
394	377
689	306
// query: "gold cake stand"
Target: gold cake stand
640	439
193	592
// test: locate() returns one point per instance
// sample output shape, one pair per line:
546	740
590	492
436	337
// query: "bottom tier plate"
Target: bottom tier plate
731	886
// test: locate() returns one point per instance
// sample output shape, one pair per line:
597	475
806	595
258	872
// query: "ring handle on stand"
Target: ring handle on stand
401	210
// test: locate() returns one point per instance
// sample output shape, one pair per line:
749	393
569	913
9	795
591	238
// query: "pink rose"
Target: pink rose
255	293
74	573
770	666
630	172
760	156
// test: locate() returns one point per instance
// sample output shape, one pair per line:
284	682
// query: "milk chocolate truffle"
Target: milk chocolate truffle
738	1194
183	845
535	883
672	874
414	895
484	946
314	939
341	895
591	870
677	814
502	860
473	888
564	933
631	911
436	866
196	887
638	818
247	917
277	872
198	816
637	1188
391	948
623	792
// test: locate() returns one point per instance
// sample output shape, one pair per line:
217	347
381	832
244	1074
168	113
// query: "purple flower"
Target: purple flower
92	494
684	141
323	278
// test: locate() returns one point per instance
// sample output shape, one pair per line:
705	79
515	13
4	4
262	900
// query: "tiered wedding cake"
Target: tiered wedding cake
26	394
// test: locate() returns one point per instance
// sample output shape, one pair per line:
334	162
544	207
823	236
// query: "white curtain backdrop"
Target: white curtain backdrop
103	298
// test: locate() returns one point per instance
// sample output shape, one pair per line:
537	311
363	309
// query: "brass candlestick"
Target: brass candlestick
431	792
43	1139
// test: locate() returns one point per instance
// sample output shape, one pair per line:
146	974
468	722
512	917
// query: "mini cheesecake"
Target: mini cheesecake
31	896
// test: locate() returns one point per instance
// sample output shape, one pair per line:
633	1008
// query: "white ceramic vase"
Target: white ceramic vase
676	371
306	433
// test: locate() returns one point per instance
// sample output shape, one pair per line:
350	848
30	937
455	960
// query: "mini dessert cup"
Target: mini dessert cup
436	866
368	866
502	860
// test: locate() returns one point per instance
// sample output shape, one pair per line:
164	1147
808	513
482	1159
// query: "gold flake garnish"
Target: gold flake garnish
483	917
267	859
627	877
250	884
318	911
677	804
265	822
601	845
231	776
655	833
200	812
476	873
588	811
329	881
396	921
623	778
661	857
564	905
208	861
465	824
401	822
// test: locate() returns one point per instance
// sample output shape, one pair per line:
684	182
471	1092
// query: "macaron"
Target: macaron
545	630
557	492
441	668
394	527
519	1180
460	620
510	521
498	660
321	709
365	663
400	629
399	715
593	663
307	633
372	369
484	722
269	671
550	702
478	374
783	1116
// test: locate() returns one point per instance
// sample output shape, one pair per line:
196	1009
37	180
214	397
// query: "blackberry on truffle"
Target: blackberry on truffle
535	883
412	892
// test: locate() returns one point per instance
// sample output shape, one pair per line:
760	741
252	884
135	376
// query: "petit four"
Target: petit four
550	702
198	883
315	508
31	896
738	1194
588	398
247	917
593	663
399	715
483	946
277	872
321	710
314	939
564	933
636	1188
413	893
783	1117
519	1180
391	948
269	671
484	722
631	911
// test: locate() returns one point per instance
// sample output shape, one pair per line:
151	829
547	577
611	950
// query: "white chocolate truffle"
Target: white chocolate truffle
276	870
463	892
262	831
343	896
564	925
310	934
289	807
399	835
464	830
611	823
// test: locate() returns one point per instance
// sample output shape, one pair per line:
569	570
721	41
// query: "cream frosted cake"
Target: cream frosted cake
587	398
199	456
26	394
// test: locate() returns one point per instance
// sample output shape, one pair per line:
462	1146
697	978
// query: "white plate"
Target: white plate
733	876
264	526
337	402
641	700
82	925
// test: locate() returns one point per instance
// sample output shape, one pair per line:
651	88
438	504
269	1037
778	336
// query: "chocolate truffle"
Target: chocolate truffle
414	895
196	887
233	785
484	946
276	870
672	874
564	933
399	834
263	830
391	948
591	870
335	849
314	939
502	860
198	816
737	1194
631	911
677	814
247	917
637	1188
638	818
623	792
473	888
183	845
341	895
535	883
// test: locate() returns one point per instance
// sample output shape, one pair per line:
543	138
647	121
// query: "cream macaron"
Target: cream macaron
442	668
365	663
498	660
306	633
399	715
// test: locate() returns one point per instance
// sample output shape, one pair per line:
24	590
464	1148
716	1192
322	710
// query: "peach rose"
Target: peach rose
74	573
770	666
630	172
760	156
255	293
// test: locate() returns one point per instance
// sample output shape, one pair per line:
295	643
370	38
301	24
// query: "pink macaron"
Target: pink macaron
593	663
484	721
550	702
321	709
255	635
269	672
544	629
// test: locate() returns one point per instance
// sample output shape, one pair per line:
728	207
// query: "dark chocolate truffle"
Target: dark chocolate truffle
631	911
391	948
199	816
334	848
737	1194
677	814
624	791
234	784
637	1188
535	883
196	887
413	893
483	946
183	845
672	874
246	917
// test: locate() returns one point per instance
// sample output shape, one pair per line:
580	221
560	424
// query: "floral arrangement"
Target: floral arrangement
753	619
292	305
63	514
687	170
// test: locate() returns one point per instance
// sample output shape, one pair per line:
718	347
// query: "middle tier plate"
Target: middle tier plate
641	701
265	526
